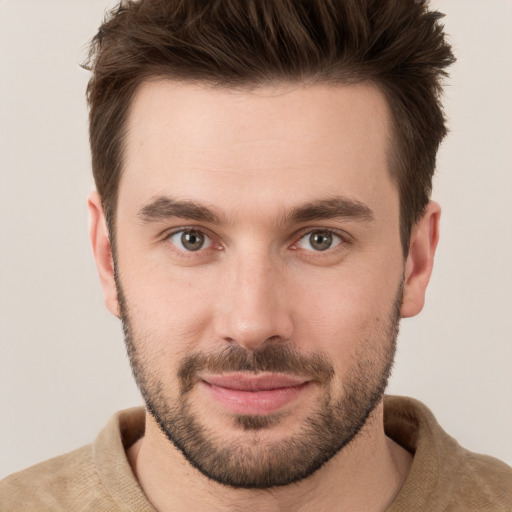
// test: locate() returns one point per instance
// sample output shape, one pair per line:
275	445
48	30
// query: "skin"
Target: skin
251	157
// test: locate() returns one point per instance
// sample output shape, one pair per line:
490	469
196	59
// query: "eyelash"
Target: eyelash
344	240
187	229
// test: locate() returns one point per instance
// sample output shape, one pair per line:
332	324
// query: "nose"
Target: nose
252	309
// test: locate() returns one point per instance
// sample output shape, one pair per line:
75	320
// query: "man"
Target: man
261	222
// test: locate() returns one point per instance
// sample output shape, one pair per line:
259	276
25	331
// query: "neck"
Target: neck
365	476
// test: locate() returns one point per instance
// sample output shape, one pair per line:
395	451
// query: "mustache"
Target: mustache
271	358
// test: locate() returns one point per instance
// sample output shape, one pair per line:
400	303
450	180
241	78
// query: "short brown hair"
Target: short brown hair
398	45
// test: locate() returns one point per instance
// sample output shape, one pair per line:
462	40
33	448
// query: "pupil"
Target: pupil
192	240
321	241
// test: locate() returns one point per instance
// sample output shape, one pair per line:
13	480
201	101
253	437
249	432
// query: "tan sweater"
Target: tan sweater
444	476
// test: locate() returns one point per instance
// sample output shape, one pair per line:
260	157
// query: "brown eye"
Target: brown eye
319	240
190	240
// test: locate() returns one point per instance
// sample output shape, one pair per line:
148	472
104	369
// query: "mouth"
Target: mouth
251	394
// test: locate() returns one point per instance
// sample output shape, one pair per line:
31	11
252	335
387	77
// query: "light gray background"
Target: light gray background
63	370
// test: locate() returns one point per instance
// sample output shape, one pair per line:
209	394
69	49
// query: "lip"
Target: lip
254	394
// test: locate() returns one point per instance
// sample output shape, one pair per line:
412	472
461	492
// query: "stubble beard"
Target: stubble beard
331	426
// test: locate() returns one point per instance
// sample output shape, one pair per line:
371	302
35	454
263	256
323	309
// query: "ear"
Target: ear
102	250
420	261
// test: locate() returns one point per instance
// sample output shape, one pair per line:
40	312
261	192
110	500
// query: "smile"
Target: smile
254	394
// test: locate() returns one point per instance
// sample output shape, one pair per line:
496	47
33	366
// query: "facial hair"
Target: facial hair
331	425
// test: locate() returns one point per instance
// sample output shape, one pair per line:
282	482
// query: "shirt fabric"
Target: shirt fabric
98	477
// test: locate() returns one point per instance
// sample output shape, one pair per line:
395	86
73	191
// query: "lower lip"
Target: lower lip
254	402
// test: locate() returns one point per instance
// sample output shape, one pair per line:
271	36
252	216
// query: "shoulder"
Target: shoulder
67	482
96	477
483	482
444	475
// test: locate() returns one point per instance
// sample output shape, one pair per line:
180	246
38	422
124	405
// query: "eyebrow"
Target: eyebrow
331	208
163	208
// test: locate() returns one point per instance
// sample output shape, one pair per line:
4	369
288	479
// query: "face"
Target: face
259	271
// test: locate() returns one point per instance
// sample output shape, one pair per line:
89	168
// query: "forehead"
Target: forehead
275	145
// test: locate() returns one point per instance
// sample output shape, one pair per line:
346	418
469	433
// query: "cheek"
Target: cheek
351	308
169	311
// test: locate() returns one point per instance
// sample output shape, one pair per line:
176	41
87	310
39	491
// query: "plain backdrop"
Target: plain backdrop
63	369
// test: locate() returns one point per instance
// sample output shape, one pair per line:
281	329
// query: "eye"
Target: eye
190	240
319	240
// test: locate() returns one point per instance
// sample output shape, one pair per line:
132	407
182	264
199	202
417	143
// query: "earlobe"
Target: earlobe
420	261
102	250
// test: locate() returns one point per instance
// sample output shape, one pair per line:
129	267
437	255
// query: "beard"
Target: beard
253	462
